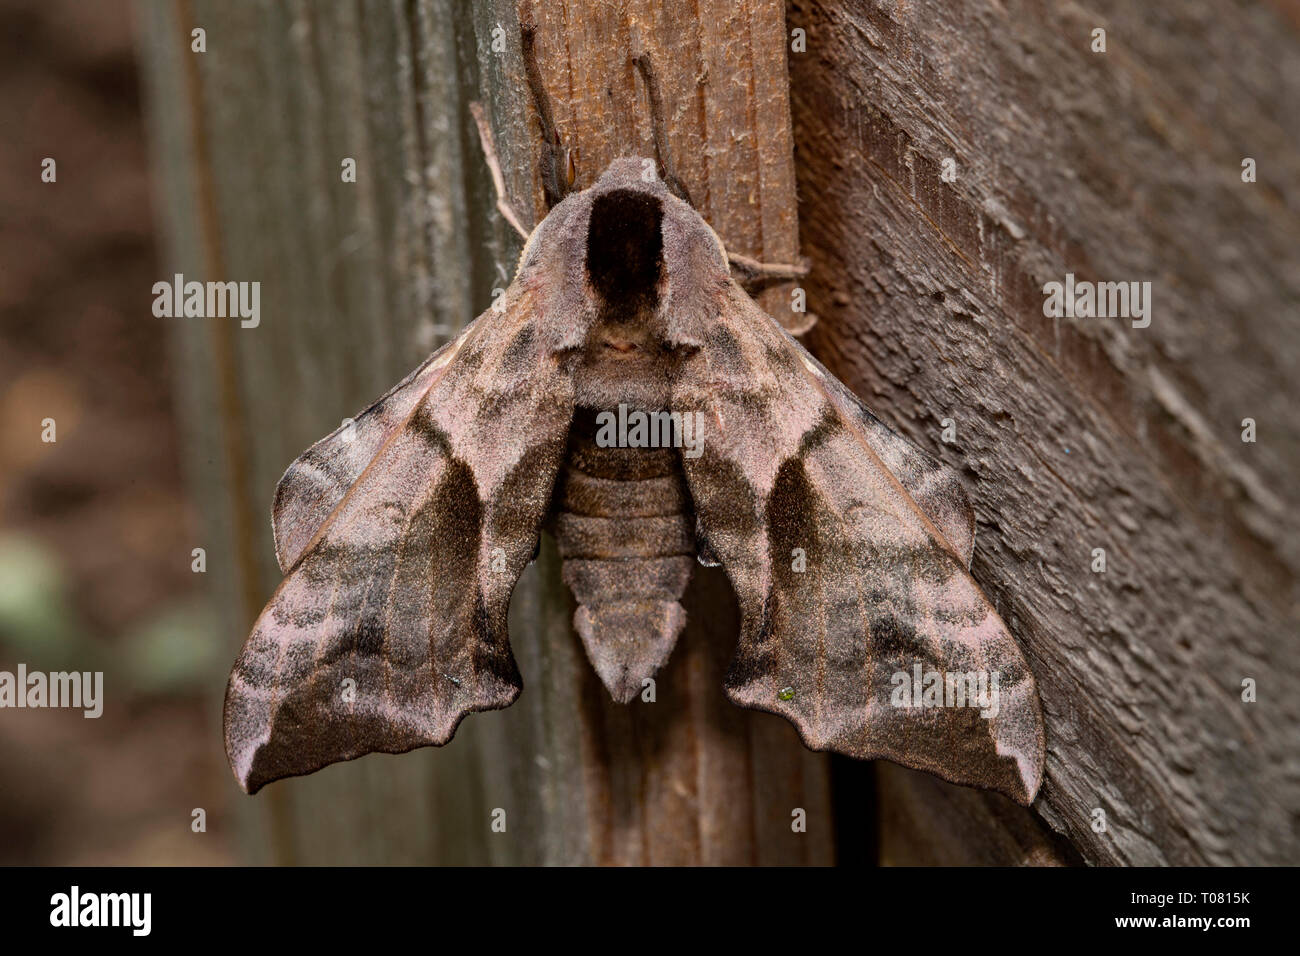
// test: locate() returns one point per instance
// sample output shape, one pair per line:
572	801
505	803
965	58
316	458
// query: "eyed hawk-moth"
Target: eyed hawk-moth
402	536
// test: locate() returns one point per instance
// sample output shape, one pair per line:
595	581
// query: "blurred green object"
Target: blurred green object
37	624
175	650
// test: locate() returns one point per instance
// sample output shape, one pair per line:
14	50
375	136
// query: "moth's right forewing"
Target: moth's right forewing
847	586
391	626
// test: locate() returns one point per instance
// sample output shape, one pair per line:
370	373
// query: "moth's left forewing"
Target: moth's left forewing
844	581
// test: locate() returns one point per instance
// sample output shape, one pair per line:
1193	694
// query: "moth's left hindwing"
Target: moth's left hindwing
848	551
316	482
405	542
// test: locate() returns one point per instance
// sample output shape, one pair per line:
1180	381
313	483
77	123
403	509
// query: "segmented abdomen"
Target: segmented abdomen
624	528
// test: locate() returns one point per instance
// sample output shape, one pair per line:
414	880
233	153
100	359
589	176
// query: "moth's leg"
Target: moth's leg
494	167
754	276
559	165
663	155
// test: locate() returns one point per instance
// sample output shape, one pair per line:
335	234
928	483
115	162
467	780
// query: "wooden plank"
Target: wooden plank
1076	434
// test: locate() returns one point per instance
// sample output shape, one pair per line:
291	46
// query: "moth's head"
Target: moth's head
638	175
626	258
625	251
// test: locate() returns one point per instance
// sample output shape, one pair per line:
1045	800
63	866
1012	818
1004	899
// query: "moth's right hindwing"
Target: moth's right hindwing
391	625
932	485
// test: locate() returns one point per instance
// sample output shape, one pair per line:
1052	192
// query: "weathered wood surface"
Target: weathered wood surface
360	281
1075	434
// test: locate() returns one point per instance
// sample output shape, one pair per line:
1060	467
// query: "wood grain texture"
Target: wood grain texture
1087	433
360	281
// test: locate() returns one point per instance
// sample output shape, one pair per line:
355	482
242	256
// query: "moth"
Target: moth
848	548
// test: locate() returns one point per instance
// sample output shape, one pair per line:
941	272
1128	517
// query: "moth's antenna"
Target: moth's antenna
663	156
752	275
559	165
494	167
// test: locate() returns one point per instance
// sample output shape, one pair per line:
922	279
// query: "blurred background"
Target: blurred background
97	528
